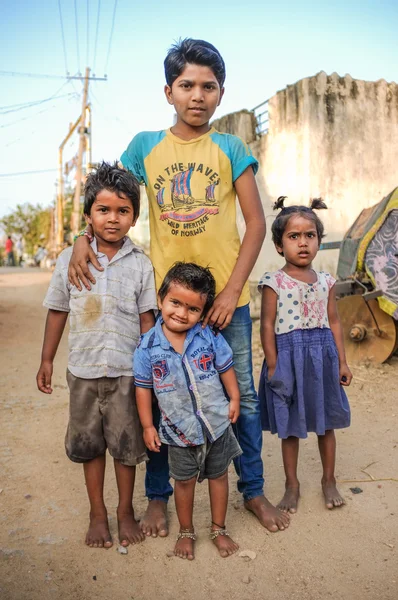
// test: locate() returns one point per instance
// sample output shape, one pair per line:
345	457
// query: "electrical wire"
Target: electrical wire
27	173
19	107
63	37
111	36
77	38
96	35
53	97
34	75
36	113
88	32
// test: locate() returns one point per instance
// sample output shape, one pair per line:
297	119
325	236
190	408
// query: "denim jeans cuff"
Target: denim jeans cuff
161	498
248	497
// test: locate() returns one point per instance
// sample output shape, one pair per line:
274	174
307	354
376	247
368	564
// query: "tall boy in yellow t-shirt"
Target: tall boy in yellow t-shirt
192	175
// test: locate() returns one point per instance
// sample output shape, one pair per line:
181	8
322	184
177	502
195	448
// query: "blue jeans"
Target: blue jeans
157	478
249	466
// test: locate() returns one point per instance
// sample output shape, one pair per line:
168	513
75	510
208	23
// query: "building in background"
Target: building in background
325	136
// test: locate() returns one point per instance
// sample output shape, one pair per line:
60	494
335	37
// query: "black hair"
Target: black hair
193	277
111	177
195	52
279	225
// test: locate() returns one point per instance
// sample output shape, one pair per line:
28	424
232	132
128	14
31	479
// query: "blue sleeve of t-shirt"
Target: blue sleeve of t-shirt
138	149
142	368
133	160
238	153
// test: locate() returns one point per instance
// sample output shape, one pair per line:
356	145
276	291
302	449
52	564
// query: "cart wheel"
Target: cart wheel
362	339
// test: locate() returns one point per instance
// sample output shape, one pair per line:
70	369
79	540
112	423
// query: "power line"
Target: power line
45	76
77	38
88	32
19	107
27	173
34	114
34	75
63	37
53	97
96	35
110	37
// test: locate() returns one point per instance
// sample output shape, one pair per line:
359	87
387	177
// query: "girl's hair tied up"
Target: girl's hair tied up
279	203
317	204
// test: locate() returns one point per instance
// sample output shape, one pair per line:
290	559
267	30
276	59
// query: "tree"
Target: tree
33	223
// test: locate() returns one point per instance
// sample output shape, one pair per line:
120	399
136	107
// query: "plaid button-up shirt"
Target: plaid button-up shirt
104	322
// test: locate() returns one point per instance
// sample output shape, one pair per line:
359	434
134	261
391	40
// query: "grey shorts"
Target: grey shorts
208	461
103	414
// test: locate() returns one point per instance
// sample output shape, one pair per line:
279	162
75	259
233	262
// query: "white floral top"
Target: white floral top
300	305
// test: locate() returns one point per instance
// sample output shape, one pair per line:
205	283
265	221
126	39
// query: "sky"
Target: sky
265	45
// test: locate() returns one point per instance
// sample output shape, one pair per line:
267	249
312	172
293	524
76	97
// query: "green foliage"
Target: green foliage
33	223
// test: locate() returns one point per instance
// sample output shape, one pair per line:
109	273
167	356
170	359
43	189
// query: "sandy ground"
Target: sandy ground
349	553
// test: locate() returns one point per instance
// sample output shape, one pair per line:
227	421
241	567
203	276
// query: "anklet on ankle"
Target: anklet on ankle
187	533
214	533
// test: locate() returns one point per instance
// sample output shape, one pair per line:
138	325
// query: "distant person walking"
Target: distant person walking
9	248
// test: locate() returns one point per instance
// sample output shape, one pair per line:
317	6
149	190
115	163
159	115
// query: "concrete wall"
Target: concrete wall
241	123
329	136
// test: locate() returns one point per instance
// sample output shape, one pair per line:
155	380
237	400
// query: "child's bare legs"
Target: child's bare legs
290	450
218	490
129	530
327	449
98	535
184	492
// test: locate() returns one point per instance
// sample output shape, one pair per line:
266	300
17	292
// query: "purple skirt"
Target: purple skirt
304	394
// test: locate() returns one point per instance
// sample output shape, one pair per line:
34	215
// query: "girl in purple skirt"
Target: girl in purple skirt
305	365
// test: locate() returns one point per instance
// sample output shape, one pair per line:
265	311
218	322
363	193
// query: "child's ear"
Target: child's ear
221	95
279	249
88	219
168	93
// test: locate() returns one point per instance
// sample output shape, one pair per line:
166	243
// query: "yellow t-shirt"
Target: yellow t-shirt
191	194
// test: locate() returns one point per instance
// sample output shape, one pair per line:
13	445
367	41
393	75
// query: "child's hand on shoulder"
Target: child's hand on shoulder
345	374
43	377
234	410
151	439
221	313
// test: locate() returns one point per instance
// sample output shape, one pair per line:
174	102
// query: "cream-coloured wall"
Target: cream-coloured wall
333	137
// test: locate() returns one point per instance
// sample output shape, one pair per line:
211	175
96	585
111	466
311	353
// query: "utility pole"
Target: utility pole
82	133
89	144
60	195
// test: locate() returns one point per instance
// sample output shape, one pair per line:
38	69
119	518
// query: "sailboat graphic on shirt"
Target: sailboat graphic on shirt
182	206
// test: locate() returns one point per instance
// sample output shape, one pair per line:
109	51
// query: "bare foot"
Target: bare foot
225	544
129	530
184	548
270	517
333	498
289	502
98	534
154	522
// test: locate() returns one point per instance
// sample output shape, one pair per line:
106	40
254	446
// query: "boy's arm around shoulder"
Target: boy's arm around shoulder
250	202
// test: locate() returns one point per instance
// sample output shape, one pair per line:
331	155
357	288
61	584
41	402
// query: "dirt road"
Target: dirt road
347	554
